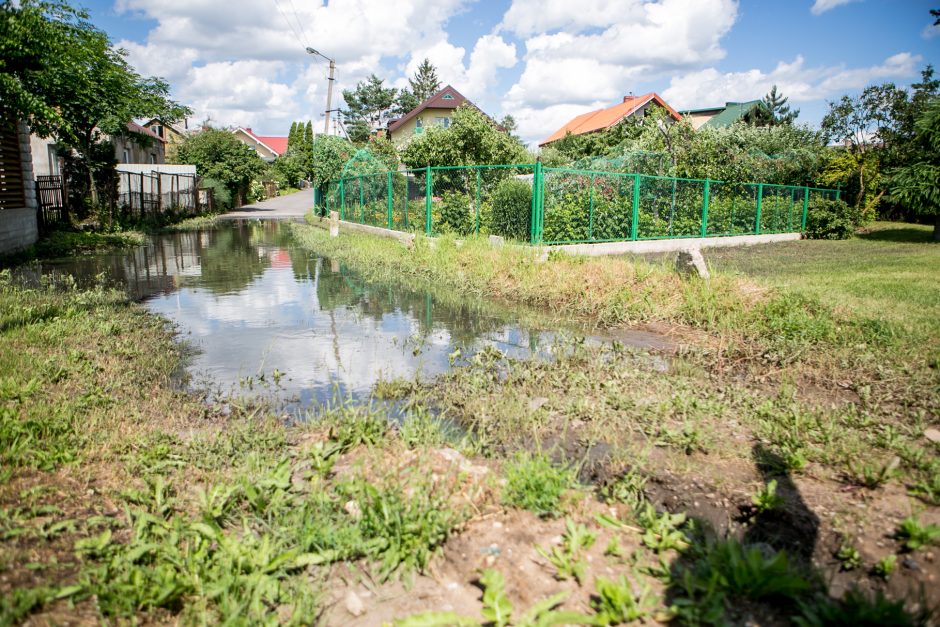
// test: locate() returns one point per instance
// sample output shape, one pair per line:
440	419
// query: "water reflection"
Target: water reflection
252	304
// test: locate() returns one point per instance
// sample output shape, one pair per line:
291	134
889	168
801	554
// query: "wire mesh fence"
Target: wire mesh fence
144	194
539	205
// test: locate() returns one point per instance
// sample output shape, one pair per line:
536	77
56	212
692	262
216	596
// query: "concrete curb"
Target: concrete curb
591	250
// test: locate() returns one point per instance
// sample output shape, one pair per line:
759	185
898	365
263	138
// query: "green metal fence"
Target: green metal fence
569	206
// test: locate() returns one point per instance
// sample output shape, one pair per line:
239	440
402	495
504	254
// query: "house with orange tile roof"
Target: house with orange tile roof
268	147
603	119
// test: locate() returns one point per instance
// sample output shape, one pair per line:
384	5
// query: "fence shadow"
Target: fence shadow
908	235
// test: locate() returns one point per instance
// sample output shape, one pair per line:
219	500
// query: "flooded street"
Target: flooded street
261	313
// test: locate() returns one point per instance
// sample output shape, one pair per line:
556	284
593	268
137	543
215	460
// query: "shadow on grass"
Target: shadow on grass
904	234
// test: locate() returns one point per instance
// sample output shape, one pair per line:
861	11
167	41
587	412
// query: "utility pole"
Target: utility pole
329	89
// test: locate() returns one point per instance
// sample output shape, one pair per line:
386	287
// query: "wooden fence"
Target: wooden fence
52	198
11	170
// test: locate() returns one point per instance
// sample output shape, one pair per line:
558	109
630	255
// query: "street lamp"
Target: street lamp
329	89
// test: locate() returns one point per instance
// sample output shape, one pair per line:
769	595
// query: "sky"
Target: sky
243	62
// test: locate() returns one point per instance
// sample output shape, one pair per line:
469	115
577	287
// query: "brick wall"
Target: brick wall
18	226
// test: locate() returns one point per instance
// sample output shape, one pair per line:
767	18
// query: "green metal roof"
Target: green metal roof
733	112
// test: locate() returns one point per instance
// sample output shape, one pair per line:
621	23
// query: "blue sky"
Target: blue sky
241	62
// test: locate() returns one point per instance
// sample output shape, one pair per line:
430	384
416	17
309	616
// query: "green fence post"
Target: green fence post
805	209
476	221
838	193
389	194
760	200
540	210
591	211
427	200
342	199
362	207
634	221
705	194
533	211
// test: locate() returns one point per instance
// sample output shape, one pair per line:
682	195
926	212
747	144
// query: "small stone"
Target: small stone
537	402
928	556
910	564
352	508
354	604
932	434
497	524
490	560
496	241
691	263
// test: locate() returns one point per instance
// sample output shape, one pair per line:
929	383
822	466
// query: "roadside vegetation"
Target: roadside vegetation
724	479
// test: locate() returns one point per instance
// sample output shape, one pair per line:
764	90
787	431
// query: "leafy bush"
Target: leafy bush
221	195
832	219
511	214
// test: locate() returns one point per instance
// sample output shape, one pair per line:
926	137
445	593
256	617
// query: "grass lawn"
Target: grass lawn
891	272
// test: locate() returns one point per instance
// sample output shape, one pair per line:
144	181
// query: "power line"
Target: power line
290	25
300	22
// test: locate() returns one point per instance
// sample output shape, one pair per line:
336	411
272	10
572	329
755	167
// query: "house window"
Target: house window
158	130
153	157
442	122
447	97
126	159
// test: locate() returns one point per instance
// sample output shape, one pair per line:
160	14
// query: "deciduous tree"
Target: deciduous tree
471	139
63	75
915	185
368	107
217	154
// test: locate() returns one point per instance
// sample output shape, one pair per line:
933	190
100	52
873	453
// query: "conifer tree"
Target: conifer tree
776	111
425	82
292	136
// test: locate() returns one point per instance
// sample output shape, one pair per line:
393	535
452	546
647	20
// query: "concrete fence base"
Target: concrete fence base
670	245
336	225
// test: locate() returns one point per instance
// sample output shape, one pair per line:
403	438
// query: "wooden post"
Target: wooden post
141	194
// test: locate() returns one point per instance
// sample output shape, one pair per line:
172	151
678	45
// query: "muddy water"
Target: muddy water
262	314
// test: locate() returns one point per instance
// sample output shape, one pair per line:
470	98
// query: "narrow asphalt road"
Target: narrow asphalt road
290	207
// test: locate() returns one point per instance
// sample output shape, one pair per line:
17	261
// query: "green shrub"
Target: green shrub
511	215
221	195
456	214
832	219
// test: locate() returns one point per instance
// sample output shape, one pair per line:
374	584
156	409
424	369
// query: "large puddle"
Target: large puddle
263	314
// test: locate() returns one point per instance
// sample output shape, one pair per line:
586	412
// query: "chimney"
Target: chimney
628	98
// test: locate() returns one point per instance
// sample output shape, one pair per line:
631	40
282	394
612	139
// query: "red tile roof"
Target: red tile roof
278	145
437	101
133	127
601	119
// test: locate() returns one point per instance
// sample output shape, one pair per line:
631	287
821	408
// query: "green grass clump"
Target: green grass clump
916	535
534	483
856	609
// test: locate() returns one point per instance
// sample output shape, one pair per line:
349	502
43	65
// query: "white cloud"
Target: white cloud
709	87
930	31
528	17
243	61
821	6
606	48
